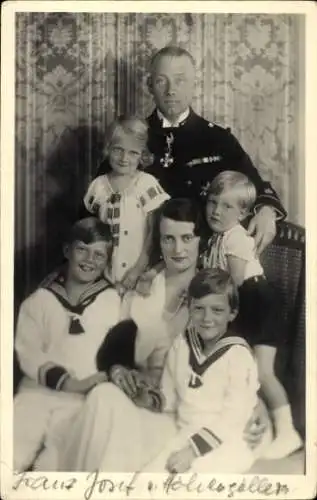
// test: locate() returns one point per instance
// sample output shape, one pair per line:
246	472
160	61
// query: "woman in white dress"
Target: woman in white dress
111	433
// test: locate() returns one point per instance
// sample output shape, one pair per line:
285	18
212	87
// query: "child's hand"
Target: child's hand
84	385
143	286
256	426
181	460
130	278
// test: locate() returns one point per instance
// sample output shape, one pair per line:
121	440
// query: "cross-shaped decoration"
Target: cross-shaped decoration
168	159
205	189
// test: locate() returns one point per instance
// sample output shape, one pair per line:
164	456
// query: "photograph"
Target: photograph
154	251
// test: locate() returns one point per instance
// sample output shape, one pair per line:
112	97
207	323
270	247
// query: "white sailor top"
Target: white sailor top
55	339
126	214
213	395
235	242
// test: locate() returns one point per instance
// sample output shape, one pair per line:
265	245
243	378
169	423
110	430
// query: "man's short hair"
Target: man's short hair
240	183
89	230
214	281
172	51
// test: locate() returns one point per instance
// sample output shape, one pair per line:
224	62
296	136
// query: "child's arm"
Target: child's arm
31	347
31	337
236	269
239	250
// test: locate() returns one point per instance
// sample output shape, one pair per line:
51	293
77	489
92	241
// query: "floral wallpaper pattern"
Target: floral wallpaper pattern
76	71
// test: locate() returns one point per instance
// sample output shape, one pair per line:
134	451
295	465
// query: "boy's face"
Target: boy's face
179	244
210	315
172	85
86	262
124	155
223	211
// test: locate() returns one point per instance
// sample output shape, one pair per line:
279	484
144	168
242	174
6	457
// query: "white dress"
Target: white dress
126	213
43	342
157	328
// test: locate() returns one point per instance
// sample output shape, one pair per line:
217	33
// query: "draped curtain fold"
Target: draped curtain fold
76	71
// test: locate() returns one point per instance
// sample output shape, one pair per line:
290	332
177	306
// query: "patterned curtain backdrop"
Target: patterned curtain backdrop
76	71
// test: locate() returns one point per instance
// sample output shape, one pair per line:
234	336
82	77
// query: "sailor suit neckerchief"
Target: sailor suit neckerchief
55	283
200	362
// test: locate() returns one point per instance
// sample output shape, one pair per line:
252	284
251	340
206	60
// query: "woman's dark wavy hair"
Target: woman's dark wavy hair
180	210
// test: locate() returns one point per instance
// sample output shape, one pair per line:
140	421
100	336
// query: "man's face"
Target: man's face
86	262
179	244
172	85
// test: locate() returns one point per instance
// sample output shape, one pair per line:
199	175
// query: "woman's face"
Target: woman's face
179	244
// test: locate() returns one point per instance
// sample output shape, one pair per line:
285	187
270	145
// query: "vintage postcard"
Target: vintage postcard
158	250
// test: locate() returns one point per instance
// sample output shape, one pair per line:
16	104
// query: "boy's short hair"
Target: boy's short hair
214	281
134	126
172	51
232	180
182	210
89	230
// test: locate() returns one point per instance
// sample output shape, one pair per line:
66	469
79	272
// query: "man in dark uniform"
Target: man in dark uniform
189	151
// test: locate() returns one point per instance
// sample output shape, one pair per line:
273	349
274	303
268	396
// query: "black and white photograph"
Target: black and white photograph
157	299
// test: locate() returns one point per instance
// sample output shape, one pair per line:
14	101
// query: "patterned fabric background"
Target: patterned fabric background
76	71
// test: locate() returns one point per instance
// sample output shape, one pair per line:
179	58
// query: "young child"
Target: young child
209	384
125	198
60	328
230	197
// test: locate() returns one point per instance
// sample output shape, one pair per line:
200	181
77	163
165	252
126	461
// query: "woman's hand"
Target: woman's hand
84	385
125	379
256	426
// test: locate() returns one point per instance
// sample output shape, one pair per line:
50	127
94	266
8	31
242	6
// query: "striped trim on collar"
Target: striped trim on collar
199	361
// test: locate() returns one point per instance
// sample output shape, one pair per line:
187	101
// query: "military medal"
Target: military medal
205	189
168	159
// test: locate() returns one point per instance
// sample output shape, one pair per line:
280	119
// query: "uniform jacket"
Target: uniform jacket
201	150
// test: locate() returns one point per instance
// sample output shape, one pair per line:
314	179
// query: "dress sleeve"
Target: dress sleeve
93	200
150	193
240	386
31	344
239	244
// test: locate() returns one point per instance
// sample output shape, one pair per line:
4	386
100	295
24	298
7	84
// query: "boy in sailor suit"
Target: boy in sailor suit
209	384
60	328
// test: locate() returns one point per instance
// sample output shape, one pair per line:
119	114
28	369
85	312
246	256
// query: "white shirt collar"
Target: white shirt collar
166	123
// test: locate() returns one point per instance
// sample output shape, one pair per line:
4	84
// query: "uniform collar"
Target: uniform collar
167	124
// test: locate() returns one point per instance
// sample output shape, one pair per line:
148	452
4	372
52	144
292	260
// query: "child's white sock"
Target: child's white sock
287	439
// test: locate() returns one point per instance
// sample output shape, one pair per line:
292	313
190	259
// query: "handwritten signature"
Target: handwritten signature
97	484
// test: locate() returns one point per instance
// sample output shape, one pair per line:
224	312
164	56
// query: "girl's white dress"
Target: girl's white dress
126	213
